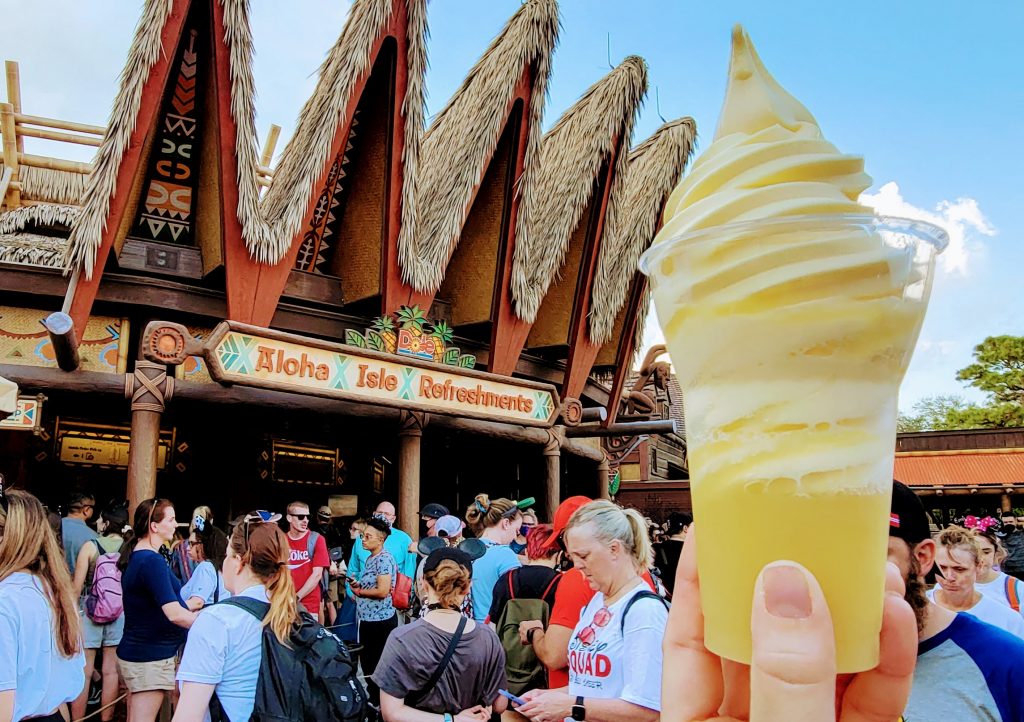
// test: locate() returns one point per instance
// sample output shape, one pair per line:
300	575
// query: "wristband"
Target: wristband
530	632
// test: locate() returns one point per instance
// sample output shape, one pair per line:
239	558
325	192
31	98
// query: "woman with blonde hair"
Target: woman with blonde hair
615	651
496	523
224	651
958	561
41	659
444	663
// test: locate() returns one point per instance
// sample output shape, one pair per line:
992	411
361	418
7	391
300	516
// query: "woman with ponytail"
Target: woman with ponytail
41	659
223	652
155	619
615	651
496	522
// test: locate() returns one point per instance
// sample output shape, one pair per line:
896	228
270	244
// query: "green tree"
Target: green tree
998	369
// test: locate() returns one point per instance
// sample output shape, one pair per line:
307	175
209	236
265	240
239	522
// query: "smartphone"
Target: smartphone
517	701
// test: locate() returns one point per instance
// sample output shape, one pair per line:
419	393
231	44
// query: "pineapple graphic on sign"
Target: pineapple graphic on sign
443	335
385	328
413	338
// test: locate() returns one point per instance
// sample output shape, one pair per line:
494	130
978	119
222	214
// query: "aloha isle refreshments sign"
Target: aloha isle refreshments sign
251	356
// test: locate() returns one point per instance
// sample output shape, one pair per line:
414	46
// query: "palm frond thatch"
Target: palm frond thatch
32	249
40	214
304	158
654	168
462	139
145	50
572	155
51	186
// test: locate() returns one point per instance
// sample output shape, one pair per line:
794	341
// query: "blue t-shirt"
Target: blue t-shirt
968	672
224	649
147	584
498	559
30	660
376	610
203	582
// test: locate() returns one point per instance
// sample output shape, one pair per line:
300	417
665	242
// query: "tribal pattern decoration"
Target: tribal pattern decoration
167	209
23	342
319	241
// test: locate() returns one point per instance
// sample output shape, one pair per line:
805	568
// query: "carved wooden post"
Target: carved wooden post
409	438
553	482
149	388
603	491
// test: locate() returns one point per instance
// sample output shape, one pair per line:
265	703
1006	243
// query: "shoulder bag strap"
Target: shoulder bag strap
254	607
417	697
636	598
1011	593
551	584
511	591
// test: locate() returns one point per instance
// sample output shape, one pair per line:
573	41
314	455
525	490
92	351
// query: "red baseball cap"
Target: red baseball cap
562	515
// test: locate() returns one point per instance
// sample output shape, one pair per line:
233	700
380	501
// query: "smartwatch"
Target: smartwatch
579	712
529	634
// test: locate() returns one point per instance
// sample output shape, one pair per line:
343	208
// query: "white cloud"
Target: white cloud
962	219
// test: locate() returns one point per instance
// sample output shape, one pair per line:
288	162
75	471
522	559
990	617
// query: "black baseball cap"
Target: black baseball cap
907	519
454	553
434	511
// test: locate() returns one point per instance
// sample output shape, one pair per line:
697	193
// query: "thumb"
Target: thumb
793	670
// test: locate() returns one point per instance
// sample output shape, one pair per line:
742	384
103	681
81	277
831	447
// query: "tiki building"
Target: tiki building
391	312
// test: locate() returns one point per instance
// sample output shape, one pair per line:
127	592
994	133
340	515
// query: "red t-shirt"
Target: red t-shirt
573	594
301	567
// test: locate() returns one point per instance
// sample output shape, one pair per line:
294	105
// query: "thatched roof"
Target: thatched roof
145	50
572	155
51	186
19	243
654	169
305	156
463	137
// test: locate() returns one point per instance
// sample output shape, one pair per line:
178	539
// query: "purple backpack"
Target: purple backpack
103	604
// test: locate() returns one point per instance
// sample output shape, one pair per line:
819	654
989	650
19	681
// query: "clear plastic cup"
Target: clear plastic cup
790	338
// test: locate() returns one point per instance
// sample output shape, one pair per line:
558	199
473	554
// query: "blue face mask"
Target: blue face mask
517	547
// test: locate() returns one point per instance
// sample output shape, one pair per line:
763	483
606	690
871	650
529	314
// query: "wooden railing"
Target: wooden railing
16	125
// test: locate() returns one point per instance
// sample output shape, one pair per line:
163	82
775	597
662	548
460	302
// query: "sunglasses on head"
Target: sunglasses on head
254	518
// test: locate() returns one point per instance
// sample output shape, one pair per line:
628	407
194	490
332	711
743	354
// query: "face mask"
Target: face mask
517	547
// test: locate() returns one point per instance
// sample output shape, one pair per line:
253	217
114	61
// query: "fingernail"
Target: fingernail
785	592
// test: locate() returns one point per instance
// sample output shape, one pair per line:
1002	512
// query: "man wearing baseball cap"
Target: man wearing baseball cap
966	670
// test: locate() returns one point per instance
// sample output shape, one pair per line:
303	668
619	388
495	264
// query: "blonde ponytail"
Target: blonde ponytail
611	522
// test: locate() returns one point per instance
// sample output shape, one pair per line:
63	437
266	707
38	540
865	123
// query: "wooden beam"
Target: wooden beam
83	288
409	440
61	329
624	355
504	352
583	351
659	426
10	153
267	155
14	95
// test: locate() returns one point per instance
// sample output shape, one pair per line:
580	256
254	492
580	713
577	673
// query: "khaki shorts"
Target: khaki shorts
334	591
148	676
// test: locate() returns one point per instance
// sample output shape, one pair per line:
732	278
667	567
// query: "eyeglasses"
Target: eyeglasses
588	634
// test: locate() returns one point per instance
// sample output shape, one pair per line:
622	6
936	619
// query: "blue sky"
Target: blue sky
928	92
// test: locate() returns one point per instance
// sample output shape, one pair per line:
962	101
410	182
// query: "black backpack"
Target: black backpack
314	680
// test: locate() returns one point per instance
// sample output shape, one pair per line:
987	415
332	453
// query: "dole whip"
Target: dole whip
790	314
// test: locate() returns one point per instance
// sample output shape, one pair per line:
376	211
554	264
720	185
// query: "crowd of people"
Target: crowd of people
593	614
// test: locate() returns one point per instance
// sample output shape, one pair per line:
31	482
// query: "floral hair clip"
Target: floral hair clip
199	523
981	525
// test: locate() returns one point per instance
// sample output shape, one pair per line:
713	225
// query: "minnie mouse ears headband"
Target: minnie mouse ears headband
981	525
472	548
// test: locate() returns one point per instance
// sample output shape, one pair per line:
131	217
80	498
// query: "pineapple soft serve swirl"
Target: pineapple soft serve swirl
821	311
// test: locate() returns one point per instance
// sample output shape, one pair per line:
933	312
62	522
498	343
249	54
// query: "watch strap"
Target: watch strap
579	712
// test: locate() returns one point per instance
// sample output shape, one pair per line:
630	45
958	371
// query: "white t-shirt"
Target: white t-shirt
604	665
992	612
30	660
996	589
204	580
